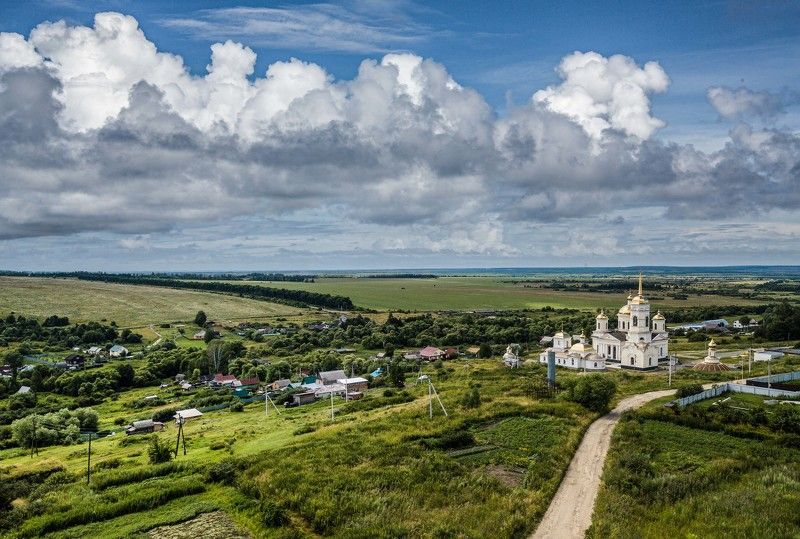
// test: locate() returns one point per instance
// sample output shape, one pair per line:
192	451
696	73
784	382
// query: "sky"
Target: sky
211	136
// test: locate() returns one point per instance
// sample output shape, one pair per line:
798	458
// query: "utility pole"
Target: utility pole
669	383
89	460
331	405
33	437
180	437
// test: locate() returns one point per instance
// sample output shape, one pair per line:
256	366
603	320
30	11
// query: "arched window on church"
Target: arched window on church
635	321
631	360
647	321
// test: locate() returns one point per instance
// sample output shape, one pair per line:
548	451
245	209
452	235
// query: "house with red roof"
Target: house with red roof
431	353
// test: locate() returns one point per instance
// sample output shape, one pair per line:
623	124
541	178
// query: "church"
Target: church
638	342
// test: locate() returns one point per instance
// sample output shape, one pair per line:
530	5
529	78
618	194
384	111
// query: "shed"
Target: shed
188	414
306	397
23	390
144	426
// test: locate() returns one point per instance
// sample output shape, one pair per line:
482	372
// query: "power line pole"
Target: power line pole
89	461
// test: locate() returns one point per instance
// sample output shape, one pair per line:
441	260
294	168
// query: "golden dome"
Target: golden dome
659	316
624	310
581	348
712	344
602	316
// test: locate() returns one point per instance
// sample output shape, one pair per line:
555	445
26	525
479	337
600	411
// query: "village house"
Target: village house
75	361
431	353
473	351
327	378
353	385
278	385
118	351
143	427
738	324
200	335
95	350
224	380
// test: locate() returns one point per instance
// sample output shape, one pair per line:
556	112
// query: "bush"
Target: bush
471	399
158	451
163	416
689	390
272	514
237	407
594	392
223	471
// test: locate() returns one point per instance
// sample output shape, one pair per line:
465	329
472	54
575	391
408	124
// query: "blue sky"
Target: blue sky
505	52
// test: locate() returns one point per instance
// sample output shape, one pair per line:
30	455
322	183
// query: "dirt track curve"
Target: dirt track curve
570	511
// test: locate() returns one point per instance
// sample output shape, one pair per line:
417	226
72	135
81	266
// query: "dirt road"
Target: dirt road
570	511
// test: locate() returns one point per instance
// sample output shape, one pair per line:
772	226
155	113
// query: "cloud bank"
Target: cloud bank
101	131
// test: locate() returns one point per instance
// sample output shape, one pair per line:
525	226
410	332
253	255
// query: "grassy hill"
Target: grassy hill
127	305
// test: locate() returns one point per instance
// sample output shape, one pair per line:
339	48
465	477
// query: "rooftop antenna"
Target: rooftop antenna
431	393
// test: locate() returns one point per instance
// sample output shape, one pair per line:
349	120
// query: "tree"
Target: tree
126	374
200	318
485	351
216	357
395	374
13	359
159	450
594	391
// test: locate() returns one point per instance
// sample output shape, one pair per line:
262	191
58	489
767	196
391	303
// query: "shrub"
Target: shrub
594	392
108	464
689	390
164	415
223	471
158	451
237	407
471	399
272	514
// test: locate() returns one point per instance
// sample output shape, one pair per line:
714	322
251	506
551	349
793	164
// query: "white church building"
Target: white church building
638	342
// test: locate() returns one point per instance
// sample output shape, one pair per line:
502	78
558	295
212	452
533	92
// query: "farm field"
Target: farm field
127	305
481	292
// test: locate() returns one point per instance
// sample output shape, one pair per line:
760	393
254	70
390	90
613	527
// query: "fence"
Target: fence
246	400
776	378
716	391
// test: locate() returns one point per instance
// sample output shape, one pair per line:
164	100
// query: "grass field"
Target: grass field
457	293
127	305
665	480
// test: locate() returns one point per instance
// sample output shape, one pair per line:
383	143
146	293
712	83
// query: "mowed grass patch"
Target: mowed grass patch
480	292
127	305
